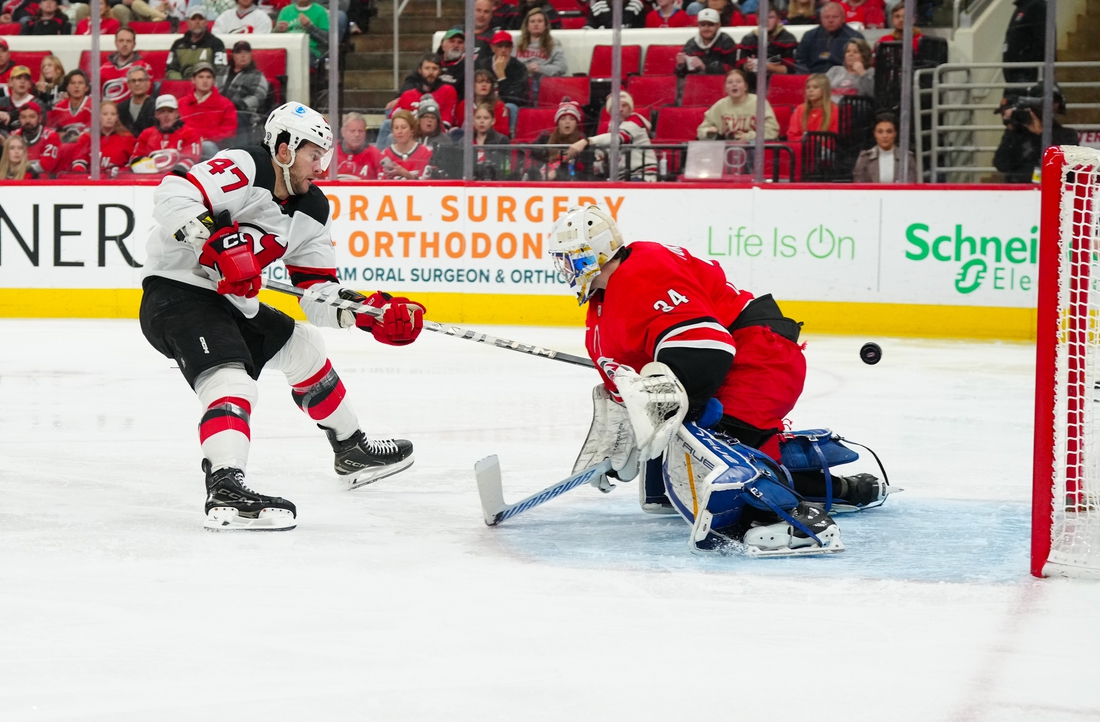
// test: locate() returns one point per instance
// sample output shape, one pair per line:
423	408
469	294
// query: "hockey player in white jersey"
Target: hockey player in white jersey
218	226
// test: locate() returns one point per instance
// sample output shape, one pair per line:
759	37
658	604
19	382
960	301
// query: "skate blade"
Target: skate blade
369	476
839	507
832	548
659	509
222	518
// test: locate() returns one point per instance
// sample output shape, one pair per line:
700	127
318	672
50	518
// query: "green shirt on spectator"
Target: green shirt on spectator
316	14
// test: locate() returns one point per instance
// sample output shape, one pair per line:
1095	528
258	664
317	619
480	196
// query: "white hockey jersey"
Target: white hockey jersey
242	182
254	21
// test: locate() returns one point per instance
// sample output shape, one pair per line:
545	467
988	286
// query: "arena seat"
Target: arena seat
553	90
676	125
272	63
10	28
147	28
532	121
653	90
787	89
566	6
703	90
600	67
783	117
31	58
573	22
661	59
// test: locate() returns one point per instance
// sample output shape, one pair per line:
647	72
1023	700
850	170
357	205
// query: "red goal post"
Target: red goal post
1065	524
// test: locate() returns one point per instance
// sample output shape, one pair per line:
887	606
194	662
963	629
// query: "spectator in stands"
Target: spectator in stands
882	164
169	145
485	91
6	65
856	76
43	145
355	159
429	129
247	89
107	23
525	6
540	53
599	13
306	16
452	56
483	26
634	165
511	74
113	72
18	11
734	117
711	51
1025	42
208	111
126	11
137	112
802	12
419	83
405	158
50	75
19	94
729	12
489	164
1020	152
552	164
196	46
48	21
667	14
14	162
116	144
872	13
823	47
897	21
780	50
246	17
73	115
425	79
505	15
818	114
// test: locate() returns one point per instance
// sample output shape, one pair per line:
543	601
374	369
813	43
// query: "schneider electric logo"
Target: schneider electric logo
993	262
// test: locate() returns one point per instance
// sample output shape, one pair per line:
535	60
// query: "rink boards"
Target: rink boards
905	260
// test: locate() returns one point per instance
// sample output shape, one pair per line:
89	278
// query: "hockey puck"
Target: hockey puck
871	354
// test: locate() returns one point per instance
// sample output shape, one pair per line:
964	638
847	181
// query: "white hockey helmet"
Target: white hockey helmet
581	242
302	124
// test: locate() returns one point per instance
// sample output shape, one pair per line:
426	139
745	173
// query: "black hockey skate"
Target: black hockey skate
850	493
785	539
361	461
232	506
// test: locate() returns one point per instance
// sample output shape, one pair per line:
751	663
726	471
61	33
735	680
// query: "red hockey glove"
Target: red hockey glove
230	253
401	322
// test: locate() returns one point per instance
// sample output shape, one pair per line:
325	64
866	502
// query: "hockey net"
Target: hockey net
1066	482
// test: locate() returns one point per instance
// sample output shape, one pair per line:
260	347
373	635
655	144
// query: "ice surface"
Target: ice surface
395	602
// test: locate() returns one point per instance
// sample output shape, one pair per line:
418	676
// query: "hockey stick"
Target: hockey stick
493	506
454	331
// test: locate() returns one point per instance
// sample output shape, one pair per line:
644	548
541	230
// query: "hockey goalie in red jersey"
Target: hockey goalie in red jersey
676	342
219	225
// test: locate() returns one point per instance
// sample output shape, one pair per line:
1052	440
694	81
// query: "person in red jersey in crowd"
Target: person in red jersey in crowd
19	94
897	21
17	11
445	96
405	158
485	92
116	144
73	115
208	111
872	13
819	113
113	72
354	156
667	14
43	145
107	23
169	145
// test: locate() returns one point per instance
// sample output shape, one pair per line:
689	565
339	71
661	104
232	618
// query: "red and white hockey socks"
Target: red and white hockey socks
315	385
227	395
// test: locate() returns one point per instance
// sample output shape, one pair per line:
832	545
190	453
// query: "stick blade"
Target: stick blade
487	473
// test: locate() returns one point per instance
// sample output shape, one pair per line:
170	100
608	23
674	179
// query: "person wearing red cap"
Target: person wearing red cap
19	94
43	144
511	74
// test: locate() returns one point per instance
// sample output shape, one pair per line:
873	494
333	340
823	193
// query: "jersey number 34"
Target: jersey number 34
675	298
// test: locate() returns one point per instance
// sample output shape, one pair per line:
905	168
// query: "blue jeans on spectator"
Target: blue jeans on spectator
385	137
513	115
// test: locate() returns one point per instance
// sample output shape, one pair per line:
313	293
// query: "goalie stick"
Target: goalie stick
448	330
493	506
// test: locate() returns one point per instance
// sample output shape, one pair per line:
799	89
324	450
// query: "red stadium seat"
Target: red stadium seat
787	89
703	90
573	22
10	28
147	28
653	90
31	58
272	63
783	117
601	61
531	122
751	19
676	125
661	59
566	6
178	88
553	90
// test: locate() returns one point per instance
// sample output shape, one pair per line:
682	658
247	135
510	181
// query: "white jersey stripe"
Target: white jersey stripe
699	343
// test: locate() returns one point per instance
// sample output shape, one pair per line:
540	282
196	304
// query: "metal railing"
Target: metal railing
954	106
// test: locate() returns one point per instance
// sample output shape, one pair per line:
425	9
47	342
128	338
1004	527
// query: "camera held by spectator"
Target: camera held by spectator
1021	148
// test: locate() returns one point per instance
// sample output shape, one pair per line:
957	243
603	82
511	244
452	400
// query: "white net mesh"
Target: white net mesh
1075	529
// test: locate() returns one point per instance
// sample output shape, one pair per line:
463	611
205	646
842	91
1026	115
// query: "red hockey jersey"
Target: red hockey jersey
115	151
113	77
444	95
215	118
180	145
415	160
46	148
362	164
69	122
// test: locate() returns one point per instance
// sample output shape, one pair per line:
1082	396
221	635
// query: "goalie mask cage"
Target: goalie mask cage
1065	532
